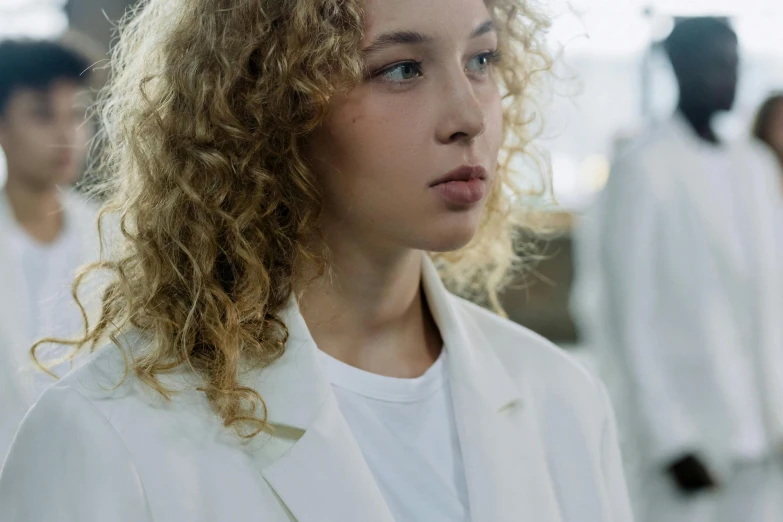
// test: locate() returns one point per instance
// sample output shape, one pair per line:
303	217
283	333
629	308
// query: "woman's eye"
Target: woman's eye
402	72
482	62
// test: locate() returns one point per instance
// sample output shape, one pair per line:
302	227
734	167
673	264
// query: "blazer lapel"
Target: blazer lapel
323	476
505	460
311	458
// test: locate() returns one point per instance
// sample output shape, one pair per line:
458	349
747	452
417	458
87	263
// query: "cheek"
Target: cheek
367	140
27	142
35	137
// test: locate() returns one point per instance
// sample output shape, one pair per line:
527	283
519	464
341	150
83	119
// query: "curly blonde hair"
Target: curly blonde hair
204	118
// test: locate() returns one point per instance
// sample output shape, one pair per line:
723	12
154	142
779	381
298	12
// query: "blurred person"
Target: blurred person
46	230
282	344
679	293
768	126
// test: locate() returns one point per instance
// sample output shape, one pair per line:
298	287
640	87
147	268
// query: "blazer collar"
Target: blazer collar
315	466
504	456
294	387
472	360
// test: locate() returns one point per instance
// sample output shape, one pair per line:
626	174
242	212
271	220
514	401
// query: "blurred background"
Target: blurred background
613	81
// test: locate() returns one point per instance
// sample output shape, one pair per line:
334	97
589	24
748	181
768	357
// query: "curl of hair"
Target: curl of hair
204	118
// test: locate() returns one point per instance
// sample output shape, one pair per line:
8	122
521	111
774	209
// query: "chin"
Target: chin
450	239
450	231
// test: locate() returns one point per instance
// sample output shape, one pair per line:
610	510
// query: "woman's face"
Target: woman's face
428	112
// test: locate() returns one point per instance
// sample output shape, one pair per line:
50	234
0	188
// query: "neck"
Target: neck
37	210
369	310
700	120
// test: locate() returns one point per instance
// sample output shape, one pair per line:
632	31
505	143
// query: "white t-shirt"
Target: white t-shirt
407	432
48	271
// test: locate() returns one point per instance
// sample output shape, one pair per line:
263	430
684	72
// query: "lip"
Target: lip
463	186
463	173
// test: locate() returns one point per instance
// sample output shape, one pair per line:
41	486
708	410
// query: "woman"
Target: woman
769	125
281	347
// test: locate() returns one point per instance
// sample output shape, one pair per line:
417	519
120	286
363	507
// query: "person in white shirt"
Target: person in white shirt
46	231
294	179
679	292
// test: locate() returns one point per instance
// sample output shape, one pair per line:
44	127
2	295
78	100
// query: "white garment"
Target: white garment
679	293
36	302
750	441
536	432
48	272
408	435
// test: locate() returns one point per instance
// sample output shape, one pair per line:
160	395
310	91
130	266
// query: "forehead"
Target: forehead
439	18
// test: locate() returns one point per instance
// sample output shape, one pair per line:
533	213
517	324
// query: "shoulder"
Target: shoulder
82	216
642	168
132	408
62	445
653	139
760	165
118	439
79	205
570	404
758	154
528	356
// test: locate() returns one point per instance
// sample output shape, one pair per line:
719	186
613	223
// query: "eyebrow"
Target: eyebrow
395	38
486	27
412	38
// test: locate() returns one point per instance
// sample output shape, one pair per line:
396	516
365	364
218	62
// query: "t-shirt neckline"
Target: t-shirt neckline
382	387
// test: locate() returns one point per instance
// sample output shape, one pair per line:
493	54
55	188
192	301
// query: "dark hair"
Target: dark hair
36	64
764	117
691	38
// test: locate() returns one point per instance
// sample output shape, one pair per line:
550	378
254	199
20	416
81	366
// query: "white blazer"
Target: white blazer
17	391
674	305
537	436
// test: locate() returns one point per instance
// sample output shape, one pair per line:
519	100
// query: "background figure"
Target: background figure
769	125
46	231
685	301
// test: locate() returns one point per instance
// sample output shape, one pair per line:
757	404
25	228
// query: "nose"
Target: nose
463	118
